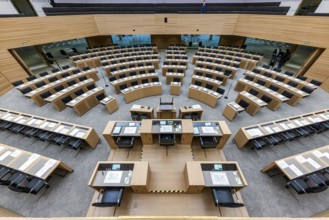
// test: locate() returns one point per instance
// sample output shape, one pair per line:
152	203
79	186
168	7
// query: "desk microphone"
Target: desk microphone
229	89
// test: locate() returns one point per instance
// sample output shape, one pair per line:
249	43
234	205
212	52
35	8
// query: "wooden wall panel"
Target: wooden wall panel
230	40
99	41
163	41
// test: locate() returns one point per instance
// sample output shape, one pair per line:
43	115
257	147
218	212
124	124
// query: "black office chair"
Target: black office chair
261	82
122	76
209	86
307	89
125	142
90	87
277	69
5	174
54	70
60	140
64	75
288	73
59	88
315	82
267	66
223	197
289	135
220	78
167	139
111	196
274	88
258	144
71	83
40	84
227	72
197	83
36	185
304	78
143	116
266	99
268	74
319	179
132	74
82	78
85	68
292	83
218	69
30	132
175	79
16	128
17	83
75	144
66	99
287	94
53	79
43	74
208	142
100	97
253	92
26	90
112	78
209	75
123	86
220	91
79	92
279	78
17	181
299	185
144	81
256	70
273	139
250	78
155	79
243	103
30	78
76	71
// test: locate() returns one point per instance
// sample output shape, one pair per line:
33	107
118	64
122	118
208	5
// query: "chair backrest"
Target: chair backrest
79	92
63	75
220	90
111	196
302	77
82	78
53	79
43	74
253	92
66	99
266	99
209	86
289	73
122	76
315	82
30	78
223	197
75	71
198	83
266	66
268	74
176	79
256	70
133	83
144	81
90	87
59	88
65	67
100	96
250	78
71	83
54	70
86	68
261	82
279	78
292	83
307	90
277	69
227	72
123	86
17	83
274	88
45	95
243	103
287	94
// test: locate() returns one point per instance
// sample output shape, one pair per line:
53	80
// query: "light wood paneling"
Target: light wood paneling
7	213
230	40
99	41
163	41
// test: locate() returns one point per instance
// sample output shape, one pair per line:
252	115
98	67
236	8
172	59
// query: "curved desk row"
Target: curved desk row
232	53
230	48
173	68
132	64
204	95
213	74
218	60
231	71
142	91
87	134
119	74
206	82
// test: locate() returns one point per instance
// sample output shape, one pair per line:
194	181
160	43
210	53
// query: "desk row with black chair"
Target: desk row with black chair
45	78
109	69
27	172
227	62
48	130
142	90
212	74
177	47
155	59
283	130
229	71
232	53
120	74
306	172
38	95
230	48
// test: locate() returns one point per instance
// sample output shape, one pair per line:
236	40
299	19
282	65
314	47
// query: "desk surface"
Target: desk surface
206	129
167	126
126	129
253	98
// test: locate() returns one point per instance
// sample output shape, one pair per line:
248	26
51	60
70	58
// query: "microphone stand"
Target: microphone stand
226	97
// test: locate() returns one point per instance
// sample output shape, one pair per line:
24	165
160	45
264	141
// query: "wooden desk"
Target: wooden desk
297	93
175	88
128	80
131	64
171	75
150	130
83	103
175	52
231	110
140	109
180	48
113	59
204	95
141	91
35	94
133	174
91	62
223	67
214	74
166	114
137	70
212	58
301	164
201	174
84	133
246	85
56	99
170	56
30	163
190	109
218	129
249	133
233	53
110	104
230	48
173	68
254	103
205	80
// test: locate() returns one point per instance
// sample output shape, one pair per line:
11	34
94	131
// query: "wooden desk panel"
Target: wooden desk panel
142	91
204	95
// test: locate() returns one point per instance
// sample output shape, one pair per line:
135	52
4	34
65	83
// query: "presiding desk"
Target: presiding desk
30	163
182	129
166	111
301	164
133	174
201	174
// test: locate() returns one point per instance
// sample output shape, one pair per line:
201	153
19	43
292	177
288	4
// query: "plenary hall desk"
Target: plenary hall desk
201	174
301	164
133	174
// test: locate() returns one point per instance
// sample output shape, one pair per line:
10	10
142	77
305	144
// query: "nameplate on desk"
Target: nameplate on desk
219	178
130	130
113	177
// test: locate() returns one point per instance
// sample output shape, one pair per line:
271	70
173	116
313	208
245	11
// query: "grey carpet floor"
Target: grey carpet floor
70	196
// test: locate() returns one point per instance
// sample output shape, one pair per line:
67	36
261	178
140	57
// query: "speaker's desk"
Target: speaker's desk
140	109
190	109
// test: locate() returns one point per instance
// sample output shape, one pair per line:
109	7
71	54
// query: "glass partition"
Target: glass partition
193	40
131	40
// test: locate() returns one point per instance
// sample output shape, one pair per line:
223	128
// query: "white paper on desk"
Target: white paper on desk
276	129
219	178
31	122
324	116
42	171
313	163
269	130
300	159
113	176
80	134
64	131
37	121
316	119
259	101
136	106
208	130
44	125
166	128
16	119
5	116
1	148
21	121
254	132
75	130
305	122
31	159
5	155
291	125
282	164
295	170
73	101
196	106
311	119
326	155
59	128
317	153
51	125
50	163
298	122
10	118
16	153
130	130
